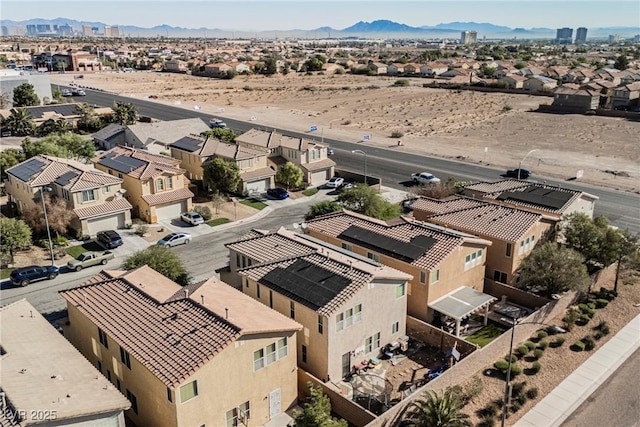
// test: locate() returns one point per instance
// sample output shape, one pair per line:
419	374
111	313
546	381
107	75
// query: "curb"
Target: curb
253	218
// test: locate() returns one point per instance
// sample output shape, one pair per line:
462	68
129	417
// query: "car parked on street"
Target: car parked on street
109	238
78	92
175	239
424	178
335	182
278	193
88	259
518	173
25	275
217	123
66	92
193	218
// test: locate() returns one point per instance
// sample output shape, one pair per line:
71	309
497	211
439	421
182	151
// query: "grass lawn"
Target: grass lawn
256	204
218	221
487	334
75	251
5	272
310	191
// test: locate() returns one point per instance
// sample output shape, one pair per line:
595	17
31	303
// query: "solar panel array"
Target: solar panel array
124	164
404	251
187	143
545	197
65	110
310	284
28	169
65	178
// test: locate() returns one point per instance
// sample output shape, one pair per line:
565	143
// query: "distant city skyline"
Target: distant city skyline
264	15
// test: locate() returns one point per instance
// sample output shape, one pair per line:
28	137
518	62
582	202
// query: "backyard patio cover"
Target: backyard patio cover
461	302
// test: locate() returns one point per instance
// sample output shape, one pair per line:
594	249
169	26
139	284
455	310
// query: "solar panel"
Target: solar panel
65	178
187	143
62	109
404	251
122	164
540	196
310	284
27	170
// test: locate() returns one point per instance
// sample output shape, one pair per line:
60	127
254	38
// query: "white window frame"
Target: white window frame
395	327
357	313
434	276
473	259
339	322
195	387
373	256
401	289
258	363
347	247
169	183
159	184
86	193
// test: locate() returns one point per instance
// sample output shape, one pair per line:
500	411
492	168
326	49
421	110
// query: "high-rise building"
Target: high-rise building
86	30
115	32
5	31
614	38
65	30
468	37
31	30
43	28
581	35
564	35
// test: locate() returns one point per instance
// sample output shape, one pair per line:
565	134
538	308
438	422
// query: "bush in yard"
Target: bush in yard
603	328
523	350
583	320
530	345
141	230
518	388
532	393
601	303
488	421
558	342
204	212
514	358
543	334
535	367
571	318
578	346
521	399
397	134
537	353
501	365
515	370
543	345
589	343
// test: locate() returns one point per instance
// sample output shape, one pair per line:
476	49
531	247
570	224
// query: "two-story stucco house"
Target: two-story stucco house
204	354
194	150
350	306
155	185
439	260
94	198
307	154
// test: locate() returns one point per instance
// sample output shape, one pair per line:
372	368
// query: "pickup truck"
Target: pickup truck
87	259
424	178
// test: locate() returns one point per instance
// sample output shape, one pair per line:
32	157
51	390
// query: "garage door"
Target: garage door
105	223
171	211
319	178
258	186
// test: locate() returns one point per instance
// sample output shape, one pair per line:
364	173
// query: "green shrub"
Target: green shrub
523	350
583	320
603	328
514	358
589	343
60	241
501	365
578	346
515	370
397	134
601	303
537	353
204	212
532	393
530	345
558	342
401	82
535	367
141	229
515	406
490	410
543	345
518	388
488	421
571	318
543	334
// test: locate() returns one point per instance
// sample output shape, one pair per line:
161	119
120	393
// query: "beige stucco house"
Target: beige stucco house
350	306
439	260
204	354
94	197
307	154
194	150
155	185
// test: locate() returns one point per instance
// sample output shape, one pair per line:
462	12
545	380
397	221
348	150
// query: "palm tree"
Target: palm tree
124	113
435	410
20	122
88	118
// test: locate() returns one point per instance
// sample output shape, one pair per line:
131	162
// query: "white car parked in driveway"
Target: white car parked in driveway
335	182
174	239
193	218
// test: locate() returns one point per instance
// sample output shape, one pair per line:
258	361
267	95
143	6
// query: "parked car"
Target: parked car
79	92
335	182
193	218
66	92
278	193
330	152
109	238
345	186
25	275
518	173
424	178
175	239
217	123
88	259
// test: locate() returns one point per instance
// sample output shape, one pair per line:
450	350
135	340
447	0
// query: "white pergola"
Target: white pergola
461	303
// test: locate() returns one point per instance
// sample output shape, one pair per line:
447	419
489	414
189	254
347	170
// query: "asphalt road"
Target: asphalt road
615	403
393	166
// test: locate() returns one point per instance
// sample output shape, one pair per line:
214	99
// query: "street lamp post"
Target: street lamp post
523	159
507	387
46	220
366	181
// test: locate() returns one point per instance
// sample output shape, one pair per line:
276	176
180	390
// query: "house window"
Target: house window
102	336
292	309
110	171
372	342
169	183
348	317
134	401
473	259
109	375
373	256
270	299
434	276
119	175
257	291
527	244
423	277
159	184
509	250
246	282
347	247
282	348
340	322
320	324
395	327
105	190
88	196
499	276
400	290
125	358
188	391
238	416
357	313
169	395
271	353
304	354
258	359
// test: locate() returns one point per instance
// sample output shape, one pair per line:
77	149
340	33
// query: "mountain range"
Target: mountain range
372	30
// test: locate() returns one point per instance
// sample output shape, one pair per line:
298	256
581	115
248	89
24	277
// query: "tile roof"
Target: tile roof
446	241
434	206
172	337
207	146
146	166
109	132
274	139
42	371
253	175
494	186
118	204
167	131
318	165
167	196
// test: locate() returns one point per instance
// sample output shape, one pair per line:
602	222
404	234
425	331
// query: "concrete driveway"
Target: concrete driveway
177	225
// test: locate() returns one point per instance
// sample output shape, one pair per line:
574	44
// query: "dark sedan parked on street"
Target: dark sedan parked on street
25	275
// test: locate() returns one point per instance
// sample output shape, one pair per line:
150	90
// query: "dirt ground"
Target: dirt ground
492	129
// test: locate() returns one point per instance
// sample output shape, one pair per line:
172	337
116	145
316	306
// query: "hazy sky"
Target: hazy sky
260	15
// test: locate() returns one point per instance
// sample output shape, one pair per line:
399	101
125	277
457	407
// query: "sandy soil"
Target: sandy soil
493	129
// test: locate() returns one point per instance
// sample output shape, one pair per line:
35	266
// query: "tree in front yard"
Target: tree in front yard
594	238
124	113
32	148
161	260
57	215
367	201
221	175
25	96
553	268
20	122
317	411
77	147
290	175
8	159
220	133
322	208
14	235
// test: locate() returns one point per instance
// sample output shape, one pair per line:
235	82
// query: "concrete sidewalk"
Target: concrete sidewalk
556	407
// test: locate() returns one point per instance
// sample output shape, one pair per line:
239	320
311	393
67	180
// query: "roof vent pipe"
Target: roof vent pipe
226	313
186	293
202	298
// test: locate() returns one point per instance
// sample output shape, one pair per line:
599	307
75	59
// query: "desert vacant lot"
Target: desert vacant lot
444	123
